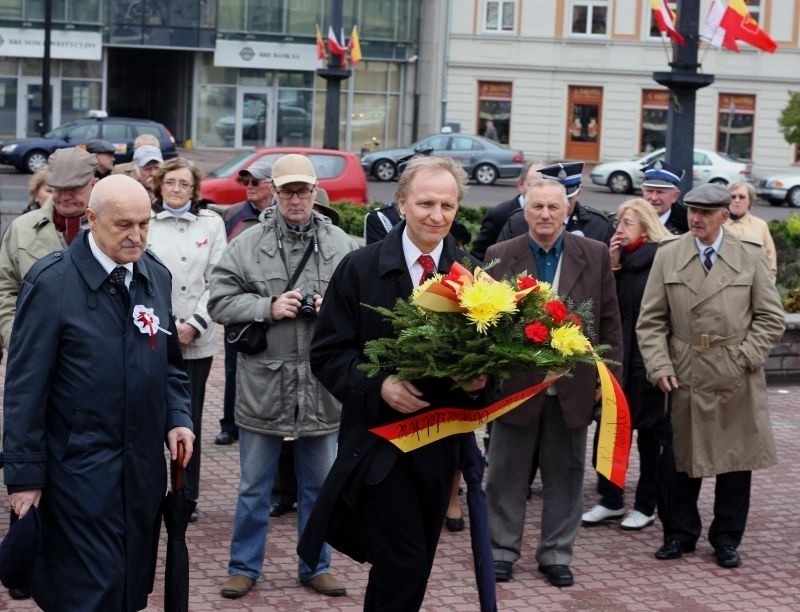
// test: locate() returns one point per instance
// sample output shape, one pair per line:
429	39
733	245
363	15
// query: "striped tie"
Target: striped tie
707	253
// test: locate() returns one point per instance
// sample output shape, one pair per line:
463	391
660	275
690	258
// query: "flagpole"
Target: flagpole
334	73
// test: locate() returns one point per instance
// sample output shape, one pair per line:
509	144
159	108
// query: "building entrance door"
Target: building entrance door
583	123
252	110
29	103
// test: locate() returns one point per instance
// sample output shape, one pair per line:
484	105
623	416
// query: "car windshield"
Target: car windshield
61	131
231	166
728	157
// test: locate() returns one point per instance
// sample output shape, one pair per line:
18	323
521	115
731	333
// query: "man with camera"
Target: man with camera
275	274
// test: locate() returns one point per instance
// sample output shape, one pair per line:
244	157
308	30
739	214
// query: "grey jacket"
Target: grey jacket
276	393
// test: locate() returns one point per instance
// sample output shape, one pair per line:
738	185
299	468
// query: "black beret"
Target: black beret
100	146
20	550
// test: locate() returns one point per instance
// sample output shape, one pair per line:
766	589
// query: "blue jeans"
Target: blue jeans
258	456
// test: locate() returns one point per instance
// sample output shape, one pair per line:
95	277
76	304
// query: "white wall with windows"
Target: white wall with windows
555	48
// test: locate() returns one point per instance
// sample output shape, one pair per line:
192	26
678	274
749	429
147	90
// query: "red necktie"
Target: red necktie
428	267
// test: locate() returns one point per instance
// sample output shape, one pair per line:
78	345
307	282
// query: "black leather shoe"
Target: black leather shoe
279	509
557	575
672	549
19	593
727	557
502	571
225	438
454	524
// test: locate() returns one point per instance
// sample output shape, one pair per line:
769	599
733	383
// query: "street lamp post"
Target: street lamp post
683	82
334	74
46	97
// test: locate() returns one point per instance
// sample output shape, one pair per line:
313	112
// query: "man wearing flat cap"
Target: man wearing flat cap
710	316
71	174
104	153
662	188
581	220
276	273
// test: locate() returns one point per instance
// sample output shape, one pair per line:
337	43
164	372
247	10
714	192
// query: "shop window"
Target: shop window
589	17
8	107
735	125
77	97
655	105
494	104
499	15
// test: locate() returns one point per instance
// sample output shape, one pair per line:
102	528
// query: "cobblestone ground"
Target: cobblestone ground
614	570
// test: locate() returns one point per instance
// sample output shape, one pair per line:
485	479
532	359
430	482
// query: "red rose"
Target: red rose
536	332
557	310
574	319
526	282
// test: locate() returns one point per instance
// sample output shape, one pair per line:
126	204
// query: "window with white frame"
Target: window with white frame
754	8
499	15
589	17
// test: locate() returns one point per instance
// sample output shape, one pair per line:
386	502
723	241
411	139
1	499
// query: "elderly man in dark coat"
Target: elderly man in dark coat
379	504
94	387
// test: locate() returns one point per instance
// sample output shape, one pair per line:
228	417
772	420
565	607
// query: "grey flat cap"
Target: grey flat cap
70	168
709	196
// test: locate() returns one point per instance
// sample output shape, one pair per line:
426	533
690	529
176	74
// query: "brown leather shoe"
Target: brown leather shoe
236	586
325	584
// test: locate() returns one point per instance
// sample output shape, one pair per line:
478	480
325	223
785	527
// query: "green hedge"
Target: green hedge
786	235
352	217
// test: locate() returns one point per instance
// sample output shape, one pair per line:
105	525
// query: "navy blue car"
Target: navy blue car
30	154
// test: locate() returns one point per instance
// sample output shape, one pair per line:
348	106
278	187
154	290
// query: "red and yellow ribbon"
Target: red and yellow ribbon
615	425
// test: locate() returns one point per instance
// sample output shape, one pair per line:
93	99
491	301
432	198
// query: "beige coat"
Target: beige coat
29	238
750	225
713	332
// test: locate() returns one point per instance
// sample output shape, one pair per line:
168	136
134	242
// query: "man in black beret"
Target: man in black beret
104	153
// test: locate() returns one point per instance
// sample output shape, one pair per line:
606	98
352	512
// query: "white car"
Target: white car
779	189
709	167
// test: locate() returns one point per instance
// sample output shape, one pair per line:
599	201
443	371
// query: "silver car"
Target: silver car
780	188
709	167
484	160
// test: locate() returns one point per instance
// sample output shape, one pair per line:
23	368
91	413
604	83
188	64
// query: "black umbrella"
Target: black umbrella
177	509
666	468
472	465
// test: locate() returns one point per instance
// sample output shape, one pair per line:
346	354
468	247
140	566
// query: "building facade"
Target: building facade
572	79
223	73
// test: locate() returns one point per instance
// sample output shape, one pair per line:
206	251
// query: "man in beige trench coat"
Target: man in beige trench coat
710	316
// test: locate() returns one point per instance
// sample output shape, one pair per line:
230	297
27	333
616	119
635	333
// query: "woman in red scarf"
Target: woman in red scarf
633	247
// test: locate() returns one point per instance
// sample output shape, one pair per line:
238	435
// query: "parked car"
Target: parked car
338	173
484	160
30	154
779	189
709	167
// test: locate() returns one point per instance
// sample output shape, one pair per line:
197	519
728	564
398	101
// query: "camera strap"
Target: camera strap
300	266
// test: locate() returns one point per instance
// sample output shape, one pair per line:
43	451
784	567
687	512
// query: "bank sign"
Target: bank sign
64	44
266	55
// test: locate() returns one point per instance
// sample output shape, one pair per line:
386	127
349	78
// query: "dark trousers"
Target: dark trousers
648	445
198	370
731	505
228	421
403	518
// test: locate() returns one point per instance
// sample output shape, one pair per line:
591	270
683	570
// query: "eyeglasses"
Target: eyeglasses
250	181
172	184
629	223
303	194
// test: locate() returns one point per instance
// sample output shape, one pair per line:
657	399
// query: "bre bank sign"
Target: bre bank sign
68	45
265	55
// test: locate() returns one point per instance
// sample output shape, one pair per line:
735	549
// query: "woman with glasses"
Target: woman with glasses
189	240
745	223
633	247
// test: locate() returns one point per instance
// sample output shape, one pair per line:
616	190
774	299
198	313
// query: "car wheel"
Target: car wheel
793	197
619	182
384	170
775	202
485	174
34	161
718	181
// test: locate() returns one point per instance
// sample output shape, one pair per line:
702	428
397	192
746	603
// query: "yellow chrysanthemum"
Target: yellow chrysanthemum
486	301
569	340
546	291
424	287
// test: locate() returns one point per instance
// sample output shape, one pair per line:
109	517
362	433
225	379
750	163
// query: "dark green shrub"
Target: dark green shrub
786	234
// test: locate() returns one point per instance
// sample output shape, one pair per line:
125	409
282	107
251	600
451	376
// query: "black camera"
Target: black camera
308	308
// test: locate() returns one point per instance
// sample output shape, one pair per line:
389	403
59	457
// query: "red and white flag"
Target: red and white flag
337	47
665	20
729	21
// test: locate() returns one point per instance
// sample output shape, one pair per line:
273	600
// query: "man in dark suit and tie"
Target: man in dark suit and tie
557	419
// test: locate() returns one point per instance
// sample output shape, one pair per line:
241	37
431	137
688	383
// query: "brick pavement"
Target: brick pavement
614	570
